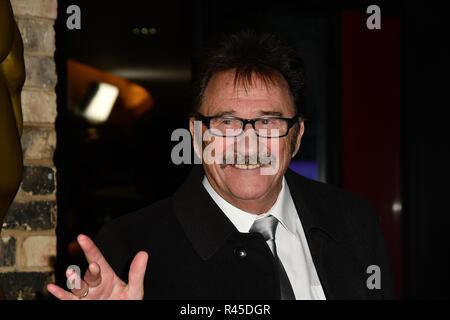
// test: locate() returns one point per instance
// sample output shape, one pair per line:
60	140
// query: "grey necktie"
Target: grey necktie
267	226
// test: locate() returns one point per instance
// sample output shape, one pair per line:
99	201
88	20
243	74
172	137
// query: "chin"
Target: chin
246	186
244	193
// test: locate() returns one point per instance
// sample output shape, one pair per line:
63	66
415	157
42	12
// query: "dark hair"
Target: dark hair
251	53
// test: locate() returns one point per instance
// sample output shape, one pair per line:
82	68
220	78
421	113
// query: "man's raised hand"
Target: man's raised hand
100	281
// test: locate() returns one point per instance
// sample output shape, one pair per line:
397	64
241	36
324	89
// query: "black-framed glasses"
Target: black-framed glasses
265	127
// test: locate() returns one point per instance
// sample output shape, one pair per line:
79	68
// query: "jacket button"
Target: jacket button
241	253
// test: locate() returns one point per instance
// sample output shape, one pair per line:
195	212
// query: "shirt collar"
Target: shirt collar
242	220
283	209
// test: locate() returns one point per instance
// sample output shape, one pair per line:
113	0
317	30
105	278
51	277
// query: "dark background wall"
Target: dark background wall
105	171
425	148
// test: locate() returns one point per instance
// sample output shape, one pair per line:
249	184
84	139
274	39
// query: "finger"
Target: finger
137	273
93	275
78	286
60	293
92	253
81	291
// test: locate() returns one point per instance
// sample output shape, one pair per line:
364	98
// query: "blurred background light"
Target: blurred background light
101	103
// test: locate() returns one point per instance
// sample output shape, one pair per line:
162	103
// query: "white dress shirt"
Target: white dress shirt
292	247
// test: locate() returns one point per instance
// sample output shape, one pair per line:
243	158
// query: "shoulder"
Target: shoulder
120	239
134	231
320	191
130	225
334	204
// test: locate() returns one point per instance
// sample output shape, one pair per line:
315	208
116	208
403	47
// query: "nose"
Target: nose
248	126
247	142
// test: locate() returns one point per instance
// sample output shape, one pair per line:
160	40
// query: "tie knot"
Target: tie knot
266	226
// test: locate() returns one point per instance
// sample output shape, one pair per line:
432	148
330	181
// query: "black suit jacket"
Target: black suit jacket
195	252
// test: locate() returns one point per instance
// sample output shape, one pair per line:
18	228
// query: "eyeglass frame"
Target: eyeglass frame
206	120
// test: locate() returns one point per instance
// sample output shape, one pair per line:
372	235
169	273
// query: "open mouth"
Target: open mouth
247	166
250	166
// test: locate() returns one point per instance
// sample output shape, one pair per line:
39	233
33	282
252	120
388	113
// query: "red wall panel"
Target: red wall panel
371	121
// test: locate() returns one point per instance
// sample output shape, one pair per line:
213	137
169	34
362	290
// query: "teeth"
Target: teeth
247	166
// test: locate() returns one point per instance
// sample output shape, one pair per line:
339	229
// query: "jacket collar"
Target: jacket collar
208	228
313	212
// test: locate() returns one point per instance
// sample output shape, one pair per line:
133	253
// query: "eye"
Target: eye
266	121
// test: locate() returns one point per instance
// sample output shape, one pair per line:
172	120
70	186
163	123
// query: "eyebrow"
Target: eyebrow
271	113
263	113
226	113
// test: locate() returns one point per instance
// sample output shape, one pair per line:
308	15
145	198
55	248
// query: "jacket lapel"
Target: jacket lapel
324	229
204	224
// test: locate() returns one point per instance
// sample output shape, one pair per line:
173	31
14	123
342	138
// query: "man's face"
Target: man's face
240	183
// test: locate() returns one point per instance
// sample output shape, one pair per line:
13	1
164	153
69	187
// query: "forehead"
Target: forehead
257	96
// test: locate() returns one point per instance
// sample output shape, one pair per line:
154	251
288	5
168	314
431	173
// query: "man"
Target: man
234	229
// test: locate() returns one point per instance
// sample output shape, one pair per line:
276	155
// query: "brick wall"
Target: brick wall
28	239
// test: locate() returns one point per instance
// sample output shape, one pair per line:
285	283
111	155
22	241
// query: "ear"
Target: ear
301	123
196	129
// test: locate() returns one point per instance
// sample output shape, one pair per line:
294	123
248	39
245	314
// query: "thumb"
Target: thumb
136	274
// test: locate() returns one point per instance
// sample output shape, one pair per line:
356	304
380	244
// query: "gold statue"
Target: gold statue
12	77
